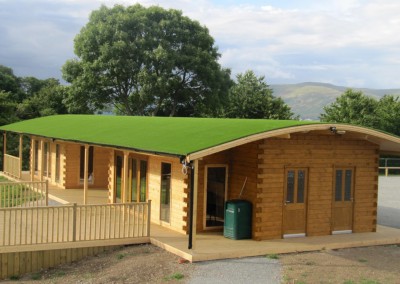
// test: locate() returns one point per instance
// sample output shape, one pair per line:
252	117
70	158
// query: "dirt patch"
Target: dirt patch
131	264
369	265
150	264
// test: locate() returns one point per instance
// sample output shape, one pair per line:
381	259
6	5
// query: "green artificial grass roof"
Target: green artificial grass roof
164	135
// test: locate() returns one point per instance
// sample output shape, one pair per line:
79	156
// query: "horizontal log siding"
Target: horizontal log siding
242	163
100	167
219	158
320	154
179	193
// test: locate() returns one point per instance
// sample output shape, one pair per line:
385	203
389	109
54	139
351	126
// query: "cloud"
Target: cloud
343	41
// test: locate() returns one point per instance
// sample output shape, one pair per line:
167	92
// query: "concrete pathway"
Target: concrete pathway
231	271
389	201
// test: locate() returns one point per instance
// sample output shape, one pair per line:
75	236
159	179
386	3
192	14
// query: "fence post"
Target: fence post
148	217
386	171
47	192
74	222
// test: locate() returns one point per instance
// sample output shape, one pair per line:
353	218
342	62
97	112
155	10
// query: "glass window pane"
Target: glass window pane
143	180
290	187
57	162
165	191
300	186
134	180
347	185
338	185
118	178
216	182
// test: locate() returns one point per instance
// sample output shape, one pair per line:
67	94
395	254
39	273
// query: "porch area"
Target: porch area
213	246
70	196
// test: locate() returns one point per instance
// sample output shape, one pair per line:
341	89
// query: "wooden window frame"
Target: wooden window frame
226	166
170	191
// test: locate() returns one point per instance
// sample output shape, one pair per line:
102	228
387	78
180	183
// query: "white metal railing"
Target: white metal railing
73	223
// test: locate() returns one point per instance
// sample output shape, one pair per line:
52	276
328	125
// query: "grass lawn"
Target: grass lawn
15	195
3	179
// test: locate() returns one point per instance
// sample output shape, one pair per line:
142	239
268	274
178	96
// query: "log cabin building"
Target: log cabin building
302	178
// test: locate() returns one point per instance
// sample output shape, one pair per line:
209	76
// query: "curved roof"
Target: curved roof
189	137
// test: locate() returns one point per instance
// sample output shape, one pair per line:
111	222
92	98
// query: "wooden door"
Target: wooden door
343	191
295	201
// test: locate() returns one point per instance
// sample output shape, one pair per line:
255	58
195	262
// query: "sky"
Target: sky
352	43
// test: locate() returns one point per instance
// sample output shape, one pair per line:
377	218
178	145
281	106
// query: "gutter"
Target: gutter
191	203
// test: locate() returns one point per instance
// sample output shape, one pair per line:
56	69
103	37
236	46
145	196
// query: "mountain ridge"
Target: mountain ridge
308	99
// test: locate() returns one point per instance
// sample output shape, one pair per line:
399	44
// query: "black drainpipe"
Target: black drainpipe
191	205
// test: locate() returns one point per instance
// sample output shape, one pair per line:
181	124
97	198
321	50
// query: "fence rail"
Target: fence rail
72	223
23	194
389	164
12	166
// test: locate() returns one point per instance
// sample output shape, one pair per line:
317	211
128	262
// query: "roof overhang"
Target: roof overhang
388	144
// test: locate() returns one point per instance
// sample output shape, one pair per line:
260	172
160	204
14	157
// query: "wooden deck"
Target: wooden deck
70	196
212	246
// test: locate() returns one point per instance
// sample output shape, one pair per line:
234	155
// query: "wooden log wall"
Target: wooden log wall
19	263
320	154
242	163
179	193
72	167
222	158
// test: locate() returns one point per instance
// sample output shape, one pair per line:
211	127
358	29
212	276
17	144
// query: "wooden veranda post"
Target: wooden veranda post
85	175
41	170
195	192
20	154
33	159
124	196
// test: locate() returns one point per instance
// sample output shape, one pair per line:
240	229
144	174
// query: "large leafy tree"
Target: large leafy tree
145	61
251	97
388	114
352	107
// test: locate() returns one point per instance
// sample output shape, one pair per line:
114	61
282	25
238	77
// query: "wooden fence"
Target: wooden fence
12	166
23	194
73	223
389	164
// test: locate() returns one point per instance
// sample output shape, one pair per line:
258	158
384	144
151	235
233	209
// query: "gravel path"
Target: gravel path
242	270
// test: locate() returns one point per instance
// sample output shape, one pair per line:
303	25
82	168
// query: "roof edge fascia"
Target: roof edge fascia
289	130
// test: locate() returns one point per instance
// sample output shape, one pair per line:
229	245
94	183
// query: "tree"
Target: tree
251	97
352	107
45	97
145	61
388	114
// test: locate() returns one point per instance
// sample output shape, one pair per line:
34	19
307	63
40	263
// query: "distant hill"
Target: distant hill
308	99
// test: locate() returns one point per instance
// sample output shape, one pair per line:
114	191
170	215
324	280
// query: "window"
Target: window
143	180
36	150
46	160
137	180
82	164
165	192
295	186
57	163
343	184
